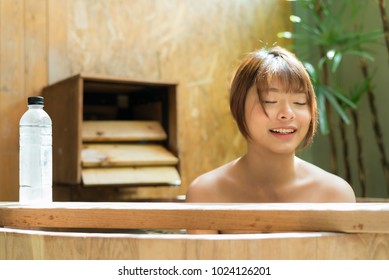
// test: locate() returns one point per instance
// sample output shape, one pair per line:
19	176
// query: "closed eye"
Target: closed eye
269	101
300	103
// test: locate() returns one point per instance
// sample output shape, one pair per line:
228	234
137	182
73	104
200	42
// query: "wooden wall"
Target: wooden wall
196	43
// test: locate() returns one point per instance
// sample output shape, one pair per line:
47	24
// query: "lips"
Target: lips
283	130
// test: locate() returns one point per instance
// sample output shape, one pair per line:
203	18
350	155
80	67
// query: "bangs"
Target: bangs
290	75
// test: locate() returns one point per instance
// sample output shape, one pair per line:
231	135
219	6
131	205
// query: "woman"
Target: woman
273	103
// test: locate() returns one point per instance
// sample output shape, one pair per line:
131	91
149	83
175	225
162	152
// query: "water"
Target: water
35	158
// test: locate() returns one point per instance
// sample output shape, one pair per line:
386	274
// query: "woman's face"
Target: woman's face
281	123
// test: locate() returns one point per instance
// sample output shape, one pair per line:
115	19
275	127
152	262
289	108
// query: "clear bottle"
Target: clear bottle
35	154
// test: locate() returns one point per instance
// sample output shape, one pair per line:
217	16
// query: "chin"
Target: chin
285	150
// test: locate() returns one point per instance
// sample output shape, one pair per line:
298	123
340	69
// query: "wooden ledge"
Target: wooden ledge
266	217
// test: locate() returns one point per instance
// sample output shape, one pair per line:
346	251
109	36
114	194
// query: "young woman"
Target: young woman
273	103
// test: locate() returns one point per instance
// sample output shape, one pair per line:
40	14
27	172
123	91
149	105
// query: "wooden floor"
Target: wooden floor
116	231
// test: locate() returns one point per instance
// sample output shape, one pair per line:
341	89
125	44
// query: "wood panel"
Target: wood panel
120	83
117	194
94	155
67	128
3	248
35	38
111	131
22	73
131	176
277	217
59	66
51	245
353	246
12	97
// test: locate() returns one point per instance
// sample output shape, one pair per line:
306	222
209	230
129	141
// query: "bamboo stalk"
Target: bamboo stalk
376	125
346	158
385	24
331	136
361	166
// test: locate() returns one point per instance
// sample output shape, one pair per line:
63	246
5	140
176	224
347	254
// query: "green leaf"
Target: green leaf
295	19
312	72
341	97
322	61
334	103
322	112
336	61
313	30
361	54
359	39
285	34
360	89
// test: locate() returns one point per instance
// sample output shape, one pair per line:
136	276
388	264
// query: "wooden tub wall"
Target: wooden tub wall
293	231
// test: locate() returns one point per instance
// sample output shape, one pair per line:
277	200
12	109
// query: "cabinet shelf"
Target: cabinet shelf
113	131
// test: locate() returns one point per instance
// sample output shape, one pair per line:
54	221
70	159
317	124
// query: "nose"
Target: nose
286	113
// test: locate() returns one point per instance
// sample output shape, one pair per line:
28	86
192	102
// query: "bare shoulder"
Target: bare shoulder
207	187
329	187
202	189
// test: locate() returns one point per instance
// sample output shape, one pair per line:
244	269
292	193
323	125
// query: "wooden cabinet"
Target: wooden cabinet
113	131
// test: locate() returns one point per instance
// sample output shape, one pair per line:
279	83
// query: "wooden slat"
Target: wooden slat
125	245
120	245
265	217
94	155
125	81
137	176
103	131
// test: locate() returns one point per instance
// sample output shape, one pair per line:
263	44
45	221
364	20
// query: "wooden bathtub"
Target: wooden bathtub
67	230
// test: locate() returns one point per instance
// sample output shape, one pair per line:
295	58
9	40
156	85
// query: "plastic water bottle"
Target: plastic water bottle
35	154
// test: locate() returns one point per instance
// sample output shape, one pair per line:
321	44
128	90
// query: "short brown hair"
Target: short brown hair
260	68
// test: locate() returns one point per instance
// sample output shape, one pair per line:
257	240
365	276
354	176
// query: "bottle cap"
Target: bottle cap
35	100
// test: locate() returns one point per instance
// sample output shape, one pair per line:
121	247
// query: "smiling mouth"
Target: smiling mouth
283	130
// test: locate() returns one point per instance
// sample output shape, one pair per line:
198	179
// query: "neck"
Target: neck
267	169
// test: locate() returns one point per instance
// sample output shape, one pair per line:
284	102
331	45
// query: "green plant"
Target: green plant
323	39
331	34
